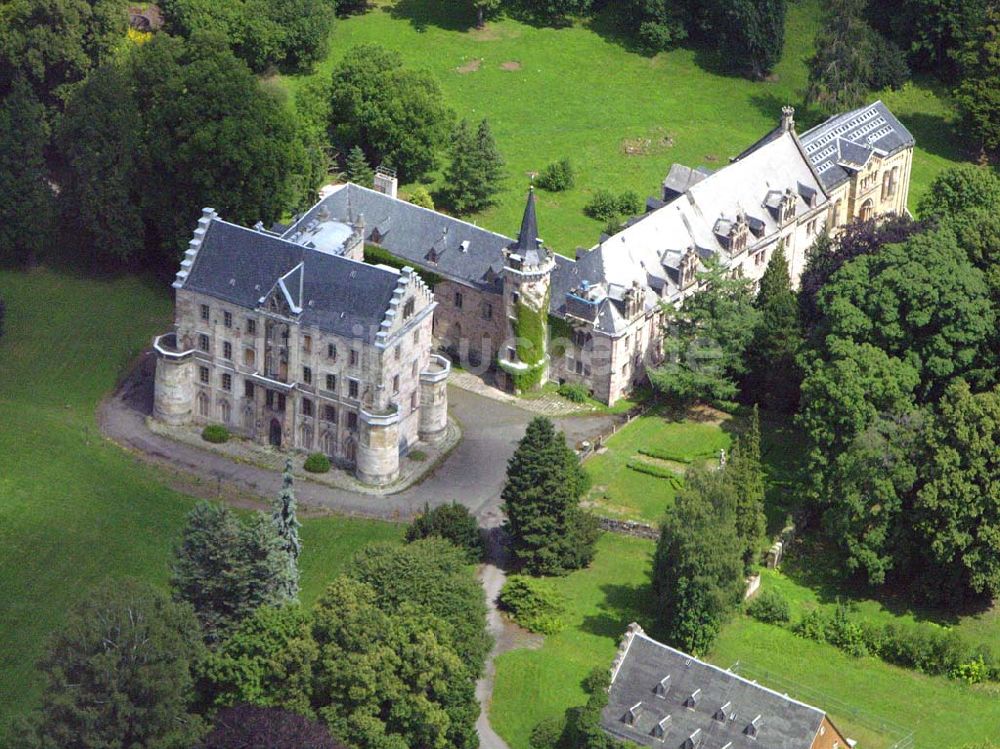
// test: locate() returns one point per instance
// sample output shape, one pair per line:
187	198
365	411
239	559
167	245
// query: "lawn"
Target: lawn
867	699
622	118
73	507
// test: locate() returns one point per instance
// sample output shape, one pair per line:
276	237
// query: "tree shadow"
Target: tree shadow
606	25
622	604
424	13
934	134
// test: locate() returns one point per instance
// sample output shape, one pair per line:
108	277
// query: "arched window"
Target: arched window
835	213
329	444
249	357
306	436
225	411
203	405
867	211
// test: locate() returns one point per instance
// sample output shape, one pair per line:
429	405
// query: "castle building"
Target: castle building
291	339
300	347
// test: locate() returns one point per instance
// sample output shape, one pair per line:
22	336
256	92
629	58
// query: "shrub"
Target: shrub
812	626
655	36
215	433
846	635
420	196
317	463
557	176
629	203
657	471
451	522
547	734
770	607
418	456
575	392
603	206
533	604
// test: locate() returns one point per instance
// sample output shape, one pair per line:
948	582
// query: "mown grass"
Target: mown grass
580	93
75	508
869	700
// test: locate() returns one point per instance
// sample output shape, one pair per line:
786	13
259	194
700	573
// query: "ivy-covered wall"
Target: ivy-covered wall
376	255
560	332
532	336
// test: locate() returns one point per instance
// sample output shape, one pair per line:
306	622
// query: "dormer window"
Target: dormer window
723	712
689	268
738	235
660	729
632	716
787	210
662	687
753	727
692	701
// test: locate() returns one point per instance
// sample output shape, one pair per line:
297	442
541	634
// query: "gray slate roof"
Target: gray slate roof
338	295
448	246
848	140
716	707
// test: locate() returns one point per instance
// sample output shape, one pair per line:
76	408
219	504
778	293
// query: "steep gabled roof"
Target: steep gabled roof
662	697
336	294
529	244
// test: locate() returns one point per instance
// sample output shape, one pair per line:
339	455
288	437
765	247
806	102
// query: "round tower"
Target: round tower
434	400
527	276
378	447
173	390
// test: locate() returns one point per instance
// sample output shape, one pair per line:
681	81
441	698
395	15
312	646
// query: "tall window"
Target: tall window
458	299
330	414
227	381
307	375
203	342
331	383
413	401
408	309
352	421
307	407
248	391
203	404
398	352
203	375
353	359
226	411
227	319
227	350
251	326
395	384
331	351
307	344
352	388
204	312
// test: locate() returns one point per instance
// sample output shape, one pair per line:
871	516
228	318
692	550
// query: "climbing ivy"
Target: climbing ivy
530	331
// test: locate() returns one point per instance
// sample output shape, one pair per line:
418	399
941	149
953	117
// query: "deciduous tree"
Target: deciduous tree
452	522
246	726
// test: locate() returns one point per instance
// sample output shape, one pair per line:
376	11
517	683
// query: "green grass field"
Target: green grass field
73	507
578	92
866	698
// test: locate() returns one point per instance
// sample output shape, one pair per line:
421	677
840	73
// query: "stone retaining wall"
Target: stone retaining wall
629	528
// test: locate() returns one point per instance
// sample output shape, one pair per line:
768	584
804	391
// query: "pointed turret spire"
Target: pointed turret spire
527	239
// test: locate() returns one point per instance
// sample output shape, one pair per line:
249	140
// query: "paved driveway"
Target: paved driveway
473	473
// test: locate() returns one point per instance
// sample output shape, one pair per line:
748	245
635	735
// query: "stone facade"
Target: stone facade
274	374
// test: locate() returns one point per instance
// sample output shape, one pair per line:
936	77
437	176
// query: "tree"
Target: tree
421	197
53	44
26	201
956	509
118	673
960	189
921	301
226	569
553	11
433	575
99	138
753	33
746	475
231	146
395	115
656	25
485	8
286	523
357	169
475	172
698	565
841	69
268	661
773	376
541	500
389	679
451	522
246	726
706	339
272	573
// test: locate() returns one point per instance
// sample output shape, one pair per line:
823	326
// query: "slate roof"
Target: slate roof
338	295
680	178
448	246
661	697
848	140
529	244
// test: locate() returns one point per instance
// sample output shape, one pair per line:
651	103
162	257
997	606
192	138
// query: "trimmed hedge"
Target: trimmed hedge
317	463
215	433
660	473
655	452
533	604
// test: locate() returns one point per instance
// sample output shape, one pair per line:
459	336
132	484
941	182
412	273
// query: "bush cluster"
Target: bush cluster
606	206
770	607
451	522
317	463
926	648
533	604
573	391
215	433
557	176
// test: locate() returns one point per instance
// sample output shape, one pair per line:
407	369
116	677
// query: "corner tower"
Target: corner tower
523	359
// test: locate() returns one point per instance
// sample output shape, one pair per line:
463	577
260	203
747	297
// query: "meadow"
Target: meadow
74	508
621	117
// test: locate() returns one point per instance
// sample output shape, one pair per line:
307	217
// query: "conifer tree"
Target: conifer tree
840	70
490	163
475	172
753	31
746	475
286	523
549	533
357	168
773	376
270	579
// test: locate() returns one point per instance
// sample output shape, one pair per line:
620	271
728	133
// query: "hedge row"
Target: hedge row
657	471
655	452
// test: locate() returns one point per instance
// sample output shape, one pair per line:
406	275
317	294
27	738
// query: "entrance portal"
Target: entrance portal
275	437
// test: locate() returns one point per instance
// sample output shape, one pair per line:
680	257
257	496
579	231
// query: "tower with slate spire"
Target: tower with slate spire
523	358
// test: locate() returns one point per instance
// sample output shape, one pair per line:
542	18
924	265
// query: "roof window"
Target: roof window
632	716
692	699
662	687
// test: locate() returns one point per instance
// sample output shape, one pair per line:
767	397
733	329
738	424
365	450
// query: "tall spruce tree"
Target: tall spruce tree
550	534
475	172
286	523
745	474
753	33
357	168
773	375
491	163
840	70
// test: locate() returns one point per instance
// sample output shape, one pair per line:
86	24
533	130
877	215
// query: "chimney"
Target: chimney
787	118
385	181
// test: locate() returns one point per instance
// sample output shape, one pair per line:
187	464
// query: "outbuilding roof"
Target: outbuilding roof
662	697
338	295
